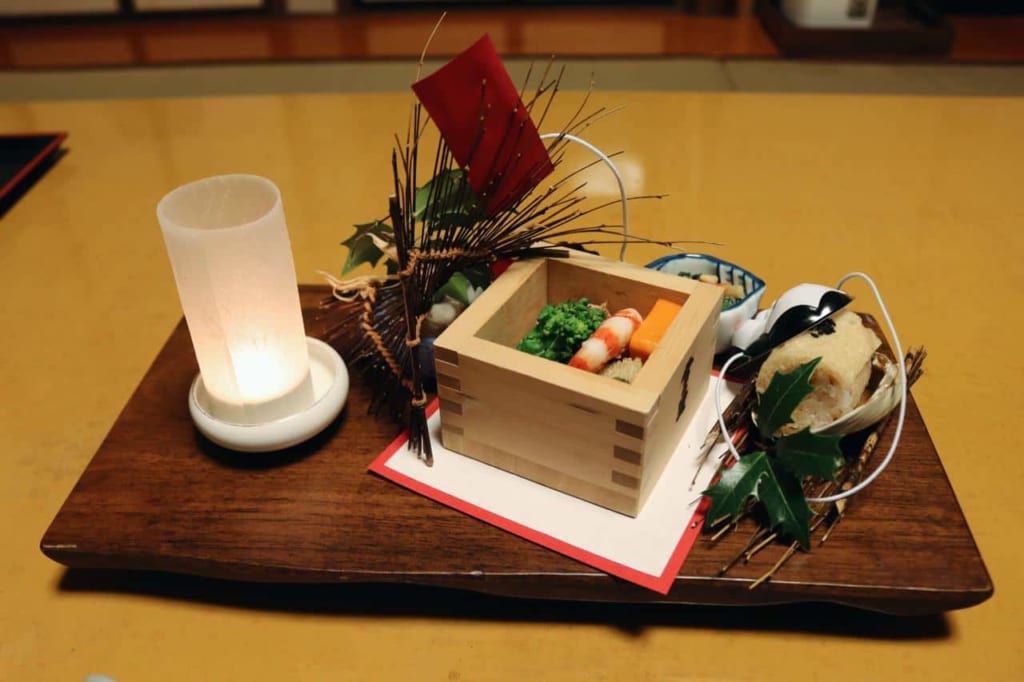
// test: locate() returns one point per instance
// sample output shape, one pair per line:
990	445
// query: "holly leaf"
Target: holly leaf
361	247
447	200
783	394
736	484
784	500
759	476
808	454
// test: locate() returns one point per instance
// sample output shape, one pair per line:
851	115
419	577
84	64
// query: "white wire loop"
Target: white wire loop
618	178
728	363
900	417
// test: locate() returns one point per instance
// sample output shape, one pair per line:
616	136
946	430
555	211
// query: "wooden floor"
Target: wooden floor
576	32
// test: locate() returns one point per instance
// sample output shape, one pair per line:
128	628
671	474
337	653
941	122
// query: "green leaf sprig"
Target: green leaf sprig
445	200
774	474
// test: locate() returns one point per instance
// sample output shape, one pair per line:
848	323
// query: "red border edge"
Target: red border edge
58	139
659	583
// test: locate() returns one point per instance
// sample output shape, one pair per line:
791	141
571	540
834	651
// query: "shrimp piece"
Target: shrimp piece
608	341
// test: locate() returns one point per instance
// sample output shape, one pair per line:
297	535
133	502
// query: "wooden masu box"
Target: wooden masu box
586	435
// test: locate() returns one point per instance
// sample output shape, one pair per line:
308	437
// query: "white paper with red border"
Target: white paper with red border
647	550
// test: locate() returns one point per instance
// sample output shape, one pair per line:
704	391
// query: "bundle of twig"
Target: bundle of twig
449	233
445	226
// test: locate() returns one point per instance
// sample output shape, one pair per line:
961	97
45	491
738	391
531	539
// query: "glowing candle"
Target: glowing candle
232	260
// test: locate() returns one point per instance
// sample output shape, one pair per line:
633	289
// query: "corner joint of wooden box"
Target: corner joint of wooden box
449	381
629	429
446	355
449	406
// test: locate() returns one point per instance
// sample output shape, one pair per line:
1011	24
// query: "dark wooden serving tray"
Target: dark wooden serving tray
157	496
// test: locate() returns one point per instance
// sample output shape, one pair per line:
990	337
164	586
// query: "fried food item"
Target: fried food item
845	347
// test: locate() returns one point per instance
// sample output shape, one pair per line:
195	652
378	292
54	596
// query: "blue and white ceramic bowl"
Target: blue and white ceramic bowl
695	264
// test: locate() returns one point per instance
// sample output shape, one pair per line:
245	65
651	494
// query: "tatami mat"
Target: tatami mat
920	79
703	75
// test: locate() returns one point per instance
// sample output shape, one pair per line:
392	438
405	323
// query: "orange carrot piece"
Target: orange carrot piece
646	338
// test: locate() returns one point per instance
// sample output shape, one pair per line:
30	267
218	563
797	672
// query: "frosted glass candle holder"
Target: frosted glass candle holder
229	249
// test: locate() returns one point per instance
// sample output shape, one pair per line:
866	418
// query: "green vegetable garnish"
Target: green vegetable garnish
773	476
561	329
458	287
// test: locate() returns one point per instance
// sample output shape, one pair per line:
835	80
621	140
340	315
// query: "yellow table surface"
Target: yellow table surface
924	193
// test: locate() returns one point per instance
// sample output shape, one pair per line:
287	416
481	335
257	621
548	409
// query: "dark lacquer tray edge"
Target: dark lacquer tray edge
583	585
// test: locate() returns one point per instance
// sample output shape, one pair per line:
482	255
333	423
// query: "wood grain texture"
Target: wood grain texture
516	31
156	496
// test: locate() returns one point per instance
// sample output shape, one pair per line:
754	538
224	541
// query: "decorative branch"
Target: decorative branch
827	519
914	361
458	220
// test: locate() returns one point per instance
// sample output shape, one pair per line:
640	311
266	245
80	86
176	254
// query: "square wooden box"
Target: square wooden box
583	434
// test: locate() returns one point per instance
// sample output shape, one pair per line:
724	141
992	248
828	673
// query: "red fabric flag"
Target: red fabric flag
482	119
